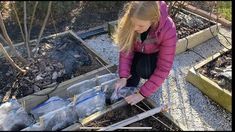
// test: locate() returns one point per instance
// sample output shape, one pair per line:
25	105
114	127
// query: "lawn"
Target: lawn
225	9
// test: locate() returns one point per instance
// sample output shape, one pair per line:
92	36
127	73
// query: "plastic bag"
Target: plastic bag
89	102
81	86
106	77
51	104
122	93
8	106
16	120
58	119
86	94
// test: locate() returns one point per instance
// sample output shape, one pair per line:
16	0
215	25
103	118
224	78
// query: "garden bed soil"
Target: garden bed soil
59	59
128	111
213	70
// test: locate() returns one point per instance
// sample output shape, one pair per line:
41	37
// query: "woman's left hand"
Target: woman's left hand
134	98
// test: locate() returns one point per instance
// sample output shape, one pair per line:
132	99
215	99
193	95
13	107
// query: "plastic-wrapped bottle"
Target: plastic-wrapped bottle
51	104
58	119
13	116
89	102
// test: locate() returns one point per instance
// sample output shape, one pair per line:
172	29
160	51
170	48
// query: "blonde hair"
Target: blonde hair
125	35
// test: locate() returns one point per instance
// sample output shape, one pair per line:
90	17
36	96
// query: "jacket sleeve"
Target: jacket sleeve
125	61
164	62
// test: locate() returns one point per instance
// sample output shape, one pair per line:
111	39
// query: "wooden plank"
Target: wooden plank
211	89
181	45
202	36
111	27
152	104
209	59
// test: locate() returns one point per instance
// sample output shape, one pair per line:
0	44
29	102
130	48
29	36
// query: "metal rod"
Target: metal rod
153	116
103	65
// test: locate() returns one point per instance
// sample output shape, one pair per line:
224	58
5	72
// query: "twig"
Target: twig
31	22
9	59
103	65
18	21
26	32
43	26
9	42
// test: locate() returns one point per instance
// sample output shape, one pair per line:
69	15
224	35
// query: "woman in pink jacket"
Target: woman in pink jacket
147	39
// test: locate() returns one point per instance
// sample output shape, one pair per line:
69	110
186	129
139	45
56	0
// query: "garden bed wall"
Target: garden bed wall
210	88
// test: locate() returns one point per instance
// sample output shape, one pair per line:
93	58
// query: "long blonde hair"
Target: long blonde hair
124	34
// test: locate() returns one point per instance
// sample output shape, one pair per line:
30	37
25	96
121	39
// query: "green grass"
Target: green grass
225	9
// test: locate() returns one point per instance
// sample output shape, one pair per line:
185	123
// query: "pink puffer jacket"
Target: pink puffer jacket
163	40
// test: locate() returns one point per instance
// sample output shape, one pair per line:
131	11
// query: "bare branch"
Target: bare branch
9	59
31	22
43	26
9	42
26	32
18	21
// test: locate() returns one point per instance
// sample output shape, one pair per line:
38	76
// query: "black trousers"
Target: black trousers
143	66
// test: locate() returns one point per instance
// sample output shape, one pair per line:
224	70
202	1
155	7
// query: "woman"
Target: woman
147	39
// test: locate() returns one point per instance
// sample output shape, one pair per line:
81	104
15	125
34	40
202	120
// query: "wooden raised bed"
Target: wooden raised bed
189	41
220	95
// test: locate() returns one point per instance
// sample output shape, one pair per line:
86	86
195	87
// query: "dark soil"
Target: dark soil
214	68
125	112
187	24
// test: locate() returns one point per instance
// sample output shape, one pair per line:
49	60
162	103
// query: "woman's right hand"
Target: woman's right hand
120	83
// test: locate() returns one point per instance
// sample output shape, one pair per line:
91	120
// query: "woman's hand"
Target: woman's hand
134	98
120	83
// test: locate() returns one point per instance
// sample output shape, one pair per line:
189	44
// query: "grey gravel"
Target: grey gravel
189	105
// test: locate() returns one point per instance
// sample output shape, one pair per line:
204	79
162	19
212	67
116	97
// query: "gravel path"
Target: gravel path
189	106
